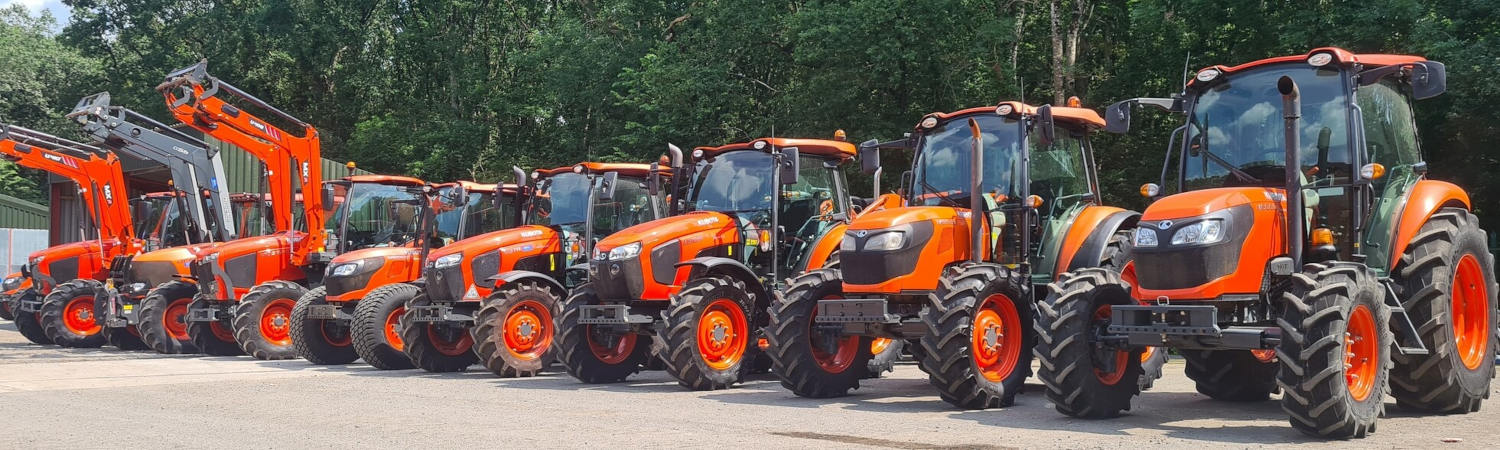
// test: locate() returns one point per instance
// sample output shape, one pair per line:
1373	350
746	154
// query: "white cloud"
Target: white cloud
59	11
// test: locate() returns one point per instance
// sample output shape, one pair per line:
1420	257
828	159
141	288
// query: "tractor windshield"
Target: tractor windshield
735	181
631	206
250	218
1236	135
474	217
560	200
942	169
159	221
379	215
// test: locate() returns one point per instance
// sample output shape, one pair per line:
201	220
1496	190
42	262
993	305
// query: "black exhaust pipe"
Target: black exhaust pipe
976	193
1291	113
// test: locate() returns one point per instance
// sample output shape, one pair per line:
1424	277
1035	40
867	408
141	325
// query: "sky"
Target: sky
58	10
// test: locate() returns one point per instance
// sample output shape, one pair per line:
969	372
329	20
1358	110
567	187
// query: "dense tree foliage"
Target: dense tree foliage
37	75
464	88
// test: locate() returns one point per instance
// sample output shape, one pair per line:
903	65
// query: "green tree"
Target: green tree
40	80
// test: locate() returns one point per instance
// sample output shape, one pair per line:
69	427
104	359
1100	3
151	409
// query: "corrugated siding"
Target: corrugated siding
244	170
17	213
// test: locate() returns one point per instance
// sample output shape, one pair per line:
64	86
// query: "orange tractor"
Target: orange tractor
917	268
699	283
321	321
1304	252
11	285
441	323
73	272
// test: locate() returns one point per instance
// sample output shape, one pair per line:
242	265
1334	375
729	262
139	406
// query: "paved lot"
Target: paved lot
60	398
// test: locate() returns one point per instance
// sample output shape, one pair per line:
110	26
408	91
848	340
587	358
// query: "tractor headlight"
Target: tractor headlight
1205	231
448	261
1145	237
346	269
626	251
887	241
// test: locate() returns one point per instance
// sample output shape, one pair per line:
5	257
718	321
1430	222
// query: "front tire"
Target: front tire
977	350
214	338
811	362
320	341
377	326
596	355
709	337
513	333
164	314
436	347
1232	375
1335	351
1083	379
1447	282
263	320
68	317
7	308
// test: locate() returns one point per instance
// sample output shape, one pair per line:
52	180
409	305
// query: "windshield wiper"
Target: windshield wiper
1203	150
940	194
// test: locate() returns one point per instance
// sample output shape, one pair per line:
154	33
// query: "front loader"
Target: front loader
697	284
438	324
321	321
961	291
1304	252
73	271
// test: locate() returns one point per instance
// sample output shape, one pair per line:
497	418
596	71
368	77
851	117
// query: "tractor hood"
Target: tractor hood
157	267
692	228
61	263
887	218
493	240
1207	244
353	274
1201	202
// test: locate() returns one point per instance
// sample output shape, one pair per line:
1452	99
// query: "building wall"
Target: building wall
17	213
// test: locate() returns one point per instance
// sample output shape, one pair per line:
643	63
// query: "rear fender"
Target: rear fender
1089	236
519	275
714	265
1425	199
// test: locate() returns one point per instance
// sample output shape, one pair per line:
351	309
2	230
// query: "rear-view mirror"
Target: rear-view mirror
653	180
790	164
328	196
869	156
1045	125
1117	117
607	186
1428	79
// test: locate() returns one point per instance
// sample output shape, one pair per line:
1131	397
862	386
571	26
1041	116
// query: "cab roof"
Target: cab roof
630	169
385	179
470	186
1066	114
820	147
1340	56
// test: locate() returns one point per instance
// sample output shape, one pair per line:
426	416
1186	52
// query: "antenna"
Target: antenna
1186	62
1021	88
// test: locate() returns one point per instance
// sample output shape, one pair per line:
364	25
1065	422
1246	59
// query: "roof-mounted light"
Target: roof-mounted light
535	175
929	122
1074	102
1320	59
1207	75
697	153
760	145
578	168
1005	109
838	135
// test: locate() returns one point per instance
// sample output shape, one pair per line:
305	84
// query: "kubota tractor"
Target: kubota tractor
73	271
919	269
513	332
699	283
1304	251
559	208
321	323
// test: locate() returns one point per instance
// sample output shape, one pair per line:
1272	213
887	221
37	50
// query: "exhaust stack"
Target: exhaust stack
1291	113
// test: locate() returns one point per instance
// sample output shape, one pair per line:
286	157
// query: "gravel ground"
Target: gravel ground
64	398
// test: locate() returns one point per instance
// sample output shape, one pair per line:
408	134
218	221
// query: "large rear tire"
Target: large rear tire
320	341
709	333
29	323
596	355
1084	379
977	350
513	334
1446	279
163	318
68	315
263	320
1335	350
1232	375
433	346
377	326
811	362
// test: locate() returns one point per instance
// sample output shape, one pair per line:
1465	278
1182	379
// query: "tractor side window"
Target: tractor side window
1058	175
483	216
172	233
631	206
1391	140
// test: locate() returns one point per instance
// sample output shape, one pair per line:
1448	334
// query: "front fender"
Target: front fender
1426	197
729	267
518	275
824	246
1089	236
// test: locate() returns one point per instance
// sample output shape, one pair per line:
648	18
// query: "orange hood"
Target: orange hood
706	224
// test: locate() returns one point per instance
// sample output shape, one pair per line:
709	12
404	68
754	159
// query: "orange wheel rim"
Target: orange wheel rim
392	329
1471	313
1360	353
844	352
527	332
1101	318
174	319
276	321
1264	355
222	331
449	345
722	334
996	338
78	316
333	335
879	345
614	354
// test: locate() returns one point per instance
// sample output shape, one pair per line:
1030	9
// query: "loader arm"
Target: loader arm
192	96
196	169
100	178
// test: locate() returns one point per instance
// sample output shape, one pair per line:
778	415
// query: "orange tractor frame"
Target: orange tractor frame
1304	251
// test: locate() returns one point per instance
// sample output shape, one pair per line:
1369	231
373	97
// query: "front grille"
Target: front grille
119	268
1187	266
151	272
203	271
863	267
445	285
617	280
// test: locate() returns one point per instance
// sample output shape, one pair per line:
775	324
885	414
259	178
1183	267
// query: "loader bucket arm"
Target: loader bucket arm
100	178
193	97
196	169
